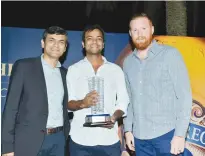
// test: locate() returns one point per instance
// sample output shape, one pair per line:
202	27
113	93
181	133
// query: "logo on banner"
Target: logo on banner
5	74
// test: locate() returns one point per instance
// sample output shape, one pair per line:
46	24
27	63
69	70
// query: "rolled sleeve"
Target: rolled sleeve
71	90
128	120
122	94
69	82
182	88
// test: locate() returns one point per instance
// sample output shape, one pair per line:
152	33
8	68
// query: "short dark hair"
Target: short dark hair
54	30
138	15
90	28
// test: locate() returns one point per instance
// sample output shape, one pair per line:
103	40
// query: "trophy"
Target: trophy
97	117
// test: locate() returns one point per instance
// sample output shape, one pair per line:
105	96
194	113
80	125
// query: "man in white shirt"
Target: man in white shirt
95	141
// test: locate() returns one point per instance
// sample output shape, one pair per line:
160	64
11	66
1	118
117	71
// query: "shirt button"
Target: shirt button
140	81
140	93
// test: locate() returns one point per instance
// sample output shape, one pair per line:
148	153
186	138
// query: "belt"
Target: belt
53	130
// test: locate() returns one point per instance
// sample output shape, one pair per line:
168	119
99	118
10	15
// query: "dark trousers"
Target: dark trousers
80	150
53	145
159	146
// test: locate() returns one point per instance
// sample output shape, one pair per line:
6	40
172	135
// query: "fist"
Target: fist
90	99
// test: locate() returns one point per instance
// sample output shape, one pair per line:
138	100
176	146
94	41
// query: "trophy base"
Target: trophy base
98	124
98	120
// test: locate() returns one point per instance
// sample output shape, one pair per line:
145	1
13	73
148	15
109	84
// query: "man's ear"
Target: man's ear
130	33
83	44
42	43
152	30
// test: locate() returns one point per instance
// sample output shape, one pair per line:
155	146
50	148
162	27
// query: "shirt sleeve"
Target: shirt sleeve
180	79
70	82
11	108
128	120
122	95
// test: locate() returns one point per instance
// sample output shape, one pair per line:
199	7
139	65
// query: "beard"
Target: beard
141	43
93	52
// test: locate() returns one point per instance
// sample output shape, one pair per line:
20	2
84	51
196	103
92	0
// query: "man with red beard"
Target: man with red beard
160	94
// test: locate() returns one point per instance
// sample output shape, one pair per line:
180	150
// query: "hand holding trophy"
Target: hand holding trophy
90	100
95	99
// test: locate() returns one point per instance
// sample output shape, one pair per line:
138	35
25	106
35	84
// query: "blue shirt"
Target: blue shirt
55	94
159	91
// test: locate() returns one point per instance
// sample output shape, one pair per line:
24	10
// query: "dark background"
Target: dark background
113	16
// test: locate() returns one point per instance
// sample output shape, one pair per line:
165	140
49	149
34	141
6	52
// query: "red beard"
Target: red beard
143	44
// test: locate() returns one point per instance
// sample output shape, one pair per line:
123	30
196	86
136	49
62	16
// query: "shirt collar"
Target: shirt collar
45	63
153	50
104	60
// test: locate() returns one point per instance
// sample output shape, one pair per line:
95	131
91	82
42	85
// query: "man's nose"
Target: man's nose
94	40
139	33
56	44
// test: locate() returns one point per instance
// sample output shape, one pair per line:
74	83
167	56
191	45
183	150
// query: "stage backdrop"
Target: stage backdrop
20	43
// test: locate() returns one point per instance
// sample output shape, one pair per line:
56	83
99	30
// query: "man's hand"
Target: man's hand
177	145
125	153
129	138
112	123
90	99
116	115
8	154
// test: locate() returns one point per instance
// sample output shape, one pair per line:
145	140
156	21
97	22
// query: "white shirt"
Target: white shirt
55	94
115	98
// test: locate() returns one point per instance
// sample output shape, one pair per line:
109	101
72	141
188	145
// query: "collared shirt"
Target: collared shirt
115	98
160	93
55	93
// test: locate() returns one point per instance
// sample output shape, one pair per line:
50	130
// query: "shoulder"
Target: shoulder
127	60
76	66
129	57
171	52
114	67
25	62
168	49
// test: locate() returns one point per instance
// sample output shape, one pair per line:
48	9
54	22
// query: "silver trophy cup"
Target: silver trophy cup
97	116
